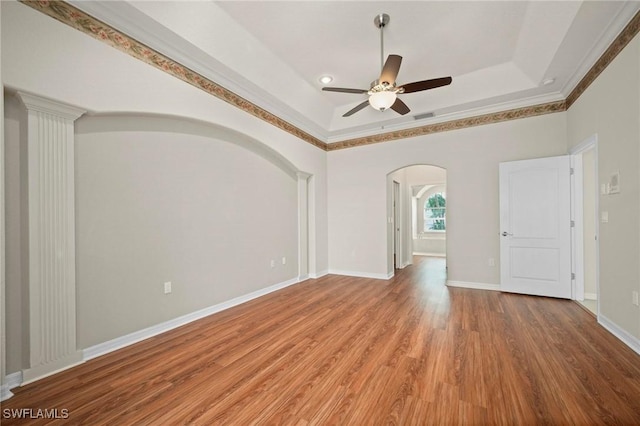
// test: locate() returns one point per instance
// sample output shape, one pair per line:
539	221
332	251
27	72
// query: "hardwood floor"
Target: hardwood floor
342	350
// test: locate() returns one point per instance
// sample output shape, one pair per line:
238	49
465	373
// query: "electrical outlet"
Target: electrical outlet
273	263
284	260
492	261
634	297
167	287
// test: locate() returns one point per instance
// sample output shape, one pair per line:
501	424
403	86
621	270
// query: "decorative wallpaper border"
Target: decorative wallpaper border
480	120
625	36
69	15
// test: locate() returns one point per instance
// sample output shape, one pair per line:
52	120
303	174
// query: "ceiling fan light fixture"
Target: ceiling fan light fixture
382	100
384	91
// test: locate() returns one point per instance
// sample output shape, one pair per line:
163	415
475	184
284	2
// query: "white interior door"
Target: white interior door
535	227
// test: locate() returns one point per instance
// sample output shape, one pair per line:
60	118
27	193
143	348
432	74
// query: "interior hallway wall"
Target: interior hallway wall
610	108
358	223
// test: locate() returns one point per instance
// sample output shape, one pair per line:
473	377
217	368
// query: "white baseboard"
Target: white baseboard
319	274
362	274
629	340
420	253
33	374
5	393
137	336
591	296
476	286
11	381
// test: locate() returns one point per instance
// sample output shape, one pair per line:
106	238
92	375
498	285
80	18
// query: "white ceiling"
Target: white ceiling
499	53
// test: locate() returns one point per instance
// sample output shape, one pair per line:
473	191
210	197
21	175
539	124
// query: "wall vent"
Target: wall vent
422	116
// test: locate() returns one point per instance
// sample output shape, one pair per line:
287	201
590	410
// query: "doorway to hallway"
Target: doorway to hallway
417	214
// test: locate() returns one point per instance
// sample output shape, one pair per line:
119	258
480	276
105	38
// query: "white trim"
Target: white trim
590	296
5	393
469	110
626	13
577	265
362	274
420	253
48	106
137	336
319	274
476	286
303	223
626	338
11	381
30	375
577	234
143	28
585	145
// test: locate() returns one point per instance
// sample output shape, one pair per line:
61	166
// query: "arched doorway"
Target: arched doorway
416	214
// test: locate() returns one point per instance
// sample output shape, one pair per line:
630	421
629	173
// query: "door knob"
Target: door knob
506	234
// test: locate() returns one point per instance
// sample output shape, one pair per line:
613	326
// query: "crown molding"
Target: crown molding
442	117
625	36
479	120
74	17
139	27
47	106
84	22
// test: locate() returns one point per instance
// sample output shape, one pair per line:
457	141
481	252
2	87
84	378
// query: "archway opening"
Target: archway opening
417	214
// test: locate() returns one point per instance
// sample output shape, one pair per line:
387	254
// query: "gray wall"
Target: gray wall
358	192
196	224
154	206
610	108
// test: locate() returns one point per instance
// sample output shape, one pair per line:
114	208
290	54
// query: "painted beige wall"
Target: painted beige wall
44	57
158	206
610	108
49	59
358	192
152	207
589	220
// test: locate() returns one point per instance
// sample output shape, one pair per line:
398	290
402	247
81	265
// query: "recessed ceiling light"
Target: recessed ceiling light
326	79
548	81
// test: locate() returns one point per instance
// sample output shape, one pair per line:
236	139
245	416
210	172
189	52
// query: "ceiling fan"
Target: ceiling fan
383	91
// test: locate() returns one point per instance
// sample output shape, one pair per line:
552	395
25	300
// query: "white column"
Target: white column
303	226
52	282
4	390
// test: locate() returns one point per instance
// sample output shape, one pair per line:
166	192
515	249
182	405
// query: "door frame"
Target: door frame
577	215
396	199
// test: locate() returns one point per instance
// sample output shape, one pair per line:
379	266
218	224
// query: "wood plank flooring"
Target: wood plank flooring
353	351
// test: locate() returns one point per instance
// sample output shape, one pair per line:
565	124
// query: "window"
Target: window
435	212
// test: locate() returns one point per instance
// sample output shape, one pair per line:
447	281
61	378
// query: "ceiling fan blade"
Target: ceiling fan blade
426	84
400	107
356	109
390	69
343	90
